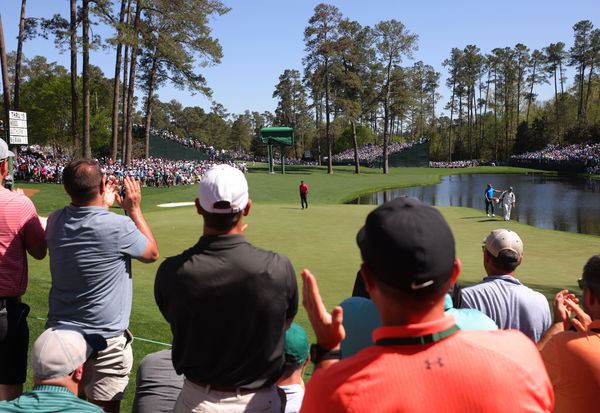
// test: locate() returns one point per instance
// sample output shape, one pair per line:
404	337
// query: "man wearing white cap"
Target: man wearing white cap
57	359
228	304
500	295
21	233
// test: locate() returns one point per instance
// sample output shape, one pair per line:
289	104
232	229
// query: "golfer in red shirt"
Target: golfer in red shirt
303	192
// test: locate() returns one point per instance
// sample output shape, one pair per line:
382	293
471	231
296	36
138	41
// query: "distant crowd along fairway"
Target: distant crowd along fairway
321	238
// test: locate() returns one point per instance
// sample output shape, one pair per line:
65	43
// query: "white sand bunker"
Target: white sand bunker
175	204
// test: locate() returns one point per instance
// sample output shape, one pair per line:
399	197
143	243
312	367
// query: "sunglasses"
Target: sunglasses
582	284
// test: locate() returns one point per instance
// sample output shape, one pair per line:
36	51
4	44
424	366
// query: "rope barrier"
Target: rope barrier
135	338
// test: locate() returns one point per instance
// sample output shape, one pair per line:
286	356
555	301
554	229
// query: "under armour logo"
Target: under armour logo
438	362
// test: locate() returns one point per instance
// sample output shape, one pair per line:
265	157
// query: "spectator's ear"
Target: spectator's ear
368	277
247	209
77	374
102	187
198	207
455	271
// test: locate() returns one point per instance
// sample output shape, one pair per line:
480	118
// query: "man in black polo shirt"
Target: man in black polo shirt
228	304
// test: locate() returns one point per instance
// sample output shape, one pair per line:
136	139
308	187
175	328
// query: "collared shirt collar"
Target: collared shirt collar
52	388
508	278
415	330
222	240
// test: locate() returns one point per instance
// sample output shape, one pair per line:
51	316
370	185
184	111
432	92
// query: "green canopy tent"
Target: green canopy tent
279	136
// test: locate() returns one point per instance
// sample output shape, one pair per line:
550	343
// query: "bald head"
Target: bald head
82	179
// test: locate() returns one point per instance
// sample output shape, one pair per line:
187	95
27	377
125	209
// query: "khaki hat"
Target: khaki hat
58	351
503	240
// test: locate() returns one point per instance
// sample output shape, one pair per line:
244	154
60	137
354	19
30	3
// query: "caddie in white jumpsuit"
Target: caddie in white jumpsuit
508	202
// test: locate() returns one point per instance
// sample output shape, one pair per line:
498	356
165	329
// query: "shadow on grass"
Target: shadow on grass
300	209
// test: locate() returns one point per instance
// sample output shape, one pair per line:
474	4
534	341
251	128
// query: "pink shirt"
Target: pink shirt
20	227
304	189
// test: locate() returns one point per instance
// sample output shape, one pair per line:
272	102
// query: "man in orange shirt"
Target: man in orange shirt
420	361
573	357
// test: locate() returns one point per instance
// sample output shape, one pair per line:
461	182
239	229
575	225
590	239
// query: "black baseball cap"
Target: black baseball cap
408	245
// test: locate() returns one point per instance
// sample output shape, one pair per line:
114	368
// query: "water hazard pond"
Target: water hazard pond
545	201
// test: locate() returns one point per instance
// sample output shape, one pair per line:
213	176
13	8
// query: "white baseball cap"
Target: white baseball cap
503	240
58	351
224	184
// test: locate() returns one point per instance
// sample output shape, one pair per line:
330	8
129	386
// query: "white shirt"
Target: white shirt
508	198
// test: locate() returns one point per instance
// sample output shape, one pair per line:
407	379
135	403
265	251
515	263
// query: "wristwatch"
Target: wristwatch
319	354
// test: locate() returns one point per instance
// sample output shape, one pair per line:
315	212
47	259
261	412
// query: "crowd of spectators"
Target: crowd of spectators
455	164
587	154
371	152
37	164
188	142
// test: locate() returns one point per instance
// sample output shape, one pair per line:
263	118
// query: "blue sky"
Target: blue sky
262	38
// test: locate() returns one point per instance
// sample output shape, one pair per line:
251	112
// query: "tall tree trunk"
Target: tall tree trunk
518	103
124	124
476	120
17	102
451	122
581	81
131	85
531	92
386	116
506	118
327	121
87	149
556	107
355	144
470	122
74	87
589	90
459	135
485	107
5	84
117	87
149	103
496	115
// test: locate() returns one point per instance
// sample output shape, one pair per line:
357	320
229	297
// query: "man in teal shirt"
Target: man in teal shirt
489	199
57	359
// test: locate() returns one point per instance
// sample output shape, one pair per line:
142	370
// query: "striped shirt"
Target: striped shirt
20	227
48	399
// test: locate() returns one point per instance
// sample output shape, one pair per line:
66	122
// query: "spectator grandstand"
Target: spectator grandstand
38	164
371	152
455	164
579	157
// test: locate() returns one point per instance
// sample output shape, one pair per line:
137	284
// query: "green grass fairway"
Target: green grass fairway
321	238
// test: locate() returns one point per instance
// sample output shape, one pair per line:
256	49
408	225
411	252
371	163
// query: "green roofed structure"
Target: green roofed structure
276	136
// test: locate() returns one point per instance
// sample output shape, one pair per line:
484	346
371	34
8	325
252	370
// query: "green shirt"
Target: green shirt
49	399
